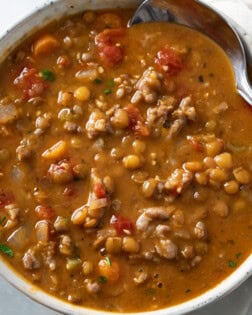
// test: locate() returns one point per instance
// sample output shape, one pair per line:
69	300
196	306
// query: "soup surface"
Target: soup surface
125	173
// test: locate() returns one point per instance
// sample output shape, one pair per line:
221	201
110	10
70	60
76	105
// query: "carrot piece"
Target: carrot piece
109	270
45	45
56	151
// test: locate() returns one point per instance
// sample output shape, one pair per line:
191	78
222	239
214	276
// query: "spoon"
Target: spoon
205	19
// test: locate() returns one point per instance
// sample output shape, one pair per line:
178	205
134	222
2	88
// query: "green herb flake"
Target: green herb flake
97	80
2	220
232	264
188	291
238	255
108	261
111	83
6	250
102	279
107	91
47	75
150	291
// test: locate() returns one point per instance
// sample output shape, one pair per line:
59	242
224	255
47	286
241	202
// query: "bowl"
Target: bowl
33	22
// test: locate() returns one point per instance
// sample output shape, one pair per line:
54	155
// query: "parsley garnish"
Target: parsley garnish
107	91
6	250
102	279
2	220
232	264
97	80
111	83
150	291
47	75
238	255
108	261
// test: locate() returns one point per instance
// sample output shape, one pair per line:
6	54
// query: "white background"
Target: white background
14	303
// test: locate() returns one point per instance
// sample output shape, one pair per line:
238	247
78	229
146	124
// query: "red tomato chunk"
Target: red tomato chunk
45	212
31	83
136	121
99	190
169	61
122	224
110	50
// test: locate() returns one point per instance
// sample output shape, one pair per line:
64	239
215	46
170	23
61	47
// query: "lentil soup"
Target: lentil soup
125	174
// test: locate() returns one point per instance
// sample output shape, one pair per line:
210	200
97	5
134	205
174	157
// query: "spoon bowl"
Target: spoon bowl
205	19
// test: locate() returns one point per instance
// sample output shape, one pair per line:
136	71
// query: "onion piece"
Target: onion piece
8	113
17	174
98	203
87	75
19	238
42	231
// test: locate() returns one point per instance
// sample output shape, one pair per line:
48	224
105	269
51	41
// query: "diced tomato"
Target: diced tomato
110	50
63	62
99	190
134	115
169	61
110	36
111	54
141	129
6	197
45	212
31	83
68	192
197	146
122	224
136	121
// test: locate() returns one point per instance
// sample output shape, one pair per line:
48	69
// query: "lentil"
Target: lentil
231	187
82	93
224	160
242	175
131	162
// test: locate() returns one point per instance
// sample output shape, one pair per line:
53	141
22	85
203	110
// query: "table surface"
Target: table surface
12	302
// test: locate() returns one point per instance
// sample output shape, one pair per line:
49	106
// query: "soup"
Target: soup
125	174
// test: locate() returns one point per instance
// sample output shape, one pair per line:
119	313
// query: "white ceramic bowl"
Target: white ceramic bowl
29	25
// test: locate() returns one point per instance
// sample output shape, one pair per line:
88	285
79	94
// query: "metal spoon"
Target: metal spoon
203	18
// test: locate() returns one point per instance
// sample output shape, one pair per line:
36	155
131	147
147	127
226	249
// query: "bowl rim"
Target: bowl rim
226	286
7	272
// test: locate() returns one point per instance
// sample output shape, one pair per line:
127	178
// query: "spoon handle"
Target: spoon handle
149	12
243	80
244	88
